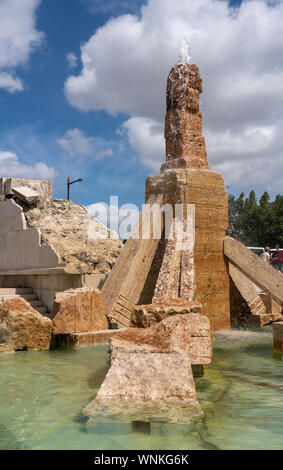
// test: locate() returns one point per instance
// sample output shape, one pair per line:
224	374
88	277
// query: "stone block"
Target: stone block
147	387
184	334
26	194
78	310
145	316
22	328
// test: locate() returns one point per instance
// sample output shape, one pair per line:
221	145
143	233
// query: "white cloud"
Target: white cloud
239	52
11	167
18	38
76	143
104	153
146	138
10	83
72	60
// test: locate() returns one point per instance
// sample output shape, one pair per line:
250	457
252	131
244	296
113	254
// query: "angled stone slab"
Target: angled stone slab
27	194
259	272
147	387
122	290
247	290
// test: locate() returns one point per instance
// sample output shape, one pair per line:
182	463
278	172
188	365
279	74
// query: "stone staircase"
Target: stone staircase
25	293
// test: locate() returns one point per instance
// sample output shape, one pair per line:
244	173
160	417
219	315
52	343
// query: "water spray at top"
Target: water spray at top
184	56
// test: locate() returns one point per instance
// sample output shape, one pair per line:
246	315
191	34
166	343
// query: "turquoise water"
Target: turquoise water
42	395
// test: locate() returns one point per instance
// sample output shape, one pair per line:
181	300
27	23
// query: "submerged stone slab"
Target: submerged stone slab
278	337
147	387
78	310
22	327
184	334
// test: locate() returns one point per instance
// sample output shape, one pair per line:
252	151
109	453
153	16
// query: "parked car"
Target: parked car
256	250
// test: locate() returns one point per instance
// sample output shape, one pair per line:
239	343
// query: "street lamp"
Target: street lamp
69	184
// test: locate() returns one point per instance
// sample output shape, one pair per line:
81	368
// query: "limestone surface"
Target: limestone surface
184	334
185	145
148	315
144	377
81	242
124	286
260	273
22	327
69	236
147	387
206	267
78	310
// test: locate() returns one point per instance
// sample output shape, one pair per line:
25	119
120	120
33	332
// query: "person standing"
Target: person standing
277	259
265	256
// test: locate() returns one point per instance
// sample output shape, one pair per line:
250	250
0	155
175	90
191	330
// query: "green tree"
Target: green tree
256	223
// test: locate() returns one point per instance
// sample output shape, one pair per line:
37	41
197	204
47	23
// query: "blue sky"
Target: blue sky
82	91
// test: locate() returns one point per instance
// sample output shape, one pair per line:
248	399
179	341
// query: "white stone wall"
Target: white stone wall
20	246
46	285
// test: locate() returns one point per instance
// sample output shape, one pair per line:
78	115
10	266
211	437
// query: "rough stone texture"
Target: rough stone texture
270	304
123	288
278	337
178	257
147	387
78	310
205	190
185	145
249	306
148	315
144	377
82	243
184	334
22	327
10	186
167	285
248	290
259	272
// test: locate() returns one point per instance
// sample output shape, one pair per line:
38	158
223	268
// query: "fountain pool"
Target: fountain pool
42	395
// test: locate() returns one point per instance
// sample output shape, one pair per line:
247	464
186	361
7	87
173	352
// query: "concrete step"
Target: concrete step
42	310
29	297
35	303
15	290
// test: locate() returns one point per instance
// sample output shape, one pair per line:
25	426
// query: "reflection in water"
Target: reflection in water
141	426
43	394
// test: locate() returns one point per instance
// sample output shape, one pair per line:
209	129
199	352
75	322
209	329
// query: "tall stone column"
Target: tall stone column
185	145
186	178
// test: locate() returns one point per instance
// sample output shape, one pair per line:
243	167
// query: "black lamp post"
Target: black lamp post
69	184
